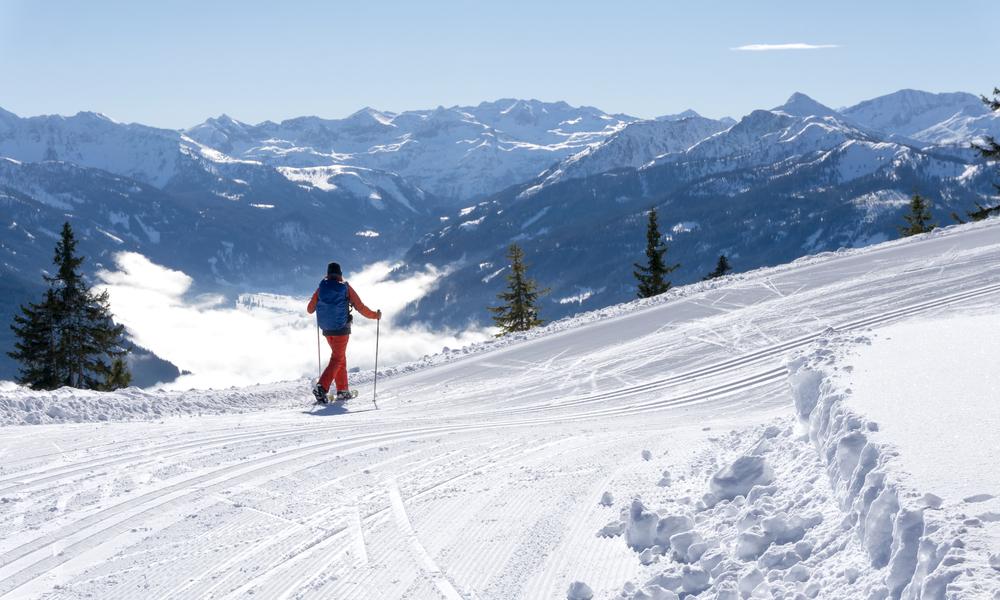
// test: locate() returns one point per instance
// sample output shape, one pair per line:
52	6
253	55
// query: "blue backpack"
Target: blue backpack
333	308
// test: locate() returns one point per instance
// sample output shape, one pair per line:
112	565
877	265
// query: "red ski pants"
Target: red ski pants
337	369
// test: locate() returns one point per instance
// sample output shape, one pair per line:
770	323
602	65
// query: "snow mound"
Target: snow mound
23	406
809	506
740	477
579	590
640	531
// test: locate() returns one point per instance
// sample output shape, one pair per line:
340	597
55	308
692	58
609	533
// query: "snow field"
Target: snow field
652	450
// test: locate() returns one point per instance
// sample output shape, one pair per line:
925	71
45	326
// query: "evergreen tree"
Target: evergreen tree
721	268
35	347
69	338
918	220
519	311
989	149
652	275
119	376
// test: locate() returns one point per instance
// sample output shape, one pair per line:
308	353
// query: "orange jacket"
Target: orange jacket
352	296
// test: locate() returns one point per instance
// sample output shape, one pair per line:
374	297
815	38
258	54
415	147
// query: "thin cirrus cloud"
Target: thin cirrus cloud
776	47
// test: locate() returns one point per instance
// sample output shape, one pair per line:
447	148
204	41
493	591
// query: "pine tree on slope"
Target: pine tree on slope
35	347
652	276
918	220
989	149
119	376
721	268
519	311
69	337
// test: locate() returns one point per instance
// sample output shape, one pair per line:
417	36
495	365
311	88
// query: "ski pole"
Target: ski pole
378	325
319	362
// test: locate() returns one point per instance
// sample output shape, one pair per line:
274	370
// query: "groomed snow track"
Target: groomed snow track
479	478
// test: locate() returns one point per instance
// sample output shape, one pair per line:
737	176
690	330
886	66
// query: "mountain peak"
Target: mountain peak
94	116
6	115
919	100
224	121
942	118
371	116
687	114
801	105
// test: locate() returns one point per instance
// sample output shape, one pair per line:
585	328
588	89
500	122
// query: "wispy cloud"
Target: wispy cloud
773	47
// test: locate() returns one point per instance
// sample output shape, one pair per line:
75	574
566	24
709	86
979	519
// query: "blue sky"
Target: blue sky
173	64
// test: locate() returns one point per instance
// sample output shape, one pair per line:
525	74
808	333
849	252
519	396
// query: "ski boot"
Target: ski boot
320	393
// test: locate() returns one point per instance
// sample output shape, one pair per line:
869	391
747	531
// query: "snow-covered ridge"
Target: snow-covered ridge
457	152
799	128
635	145
462	152
371	185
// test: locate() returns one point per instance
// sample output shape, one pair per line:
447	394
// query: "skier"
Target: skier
332	302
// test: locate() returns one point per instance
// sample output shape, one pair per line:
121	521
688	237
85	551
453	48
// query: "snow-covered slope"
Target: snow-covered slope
89	139
635	145
798	128
950	118
651	450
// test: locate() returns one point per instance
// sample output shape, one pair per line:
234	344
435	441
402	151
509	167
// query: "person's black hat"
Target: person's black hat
334	269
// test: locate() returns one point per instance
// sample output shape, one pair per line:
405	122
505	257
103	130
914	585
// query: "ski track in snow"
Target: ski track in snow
481	476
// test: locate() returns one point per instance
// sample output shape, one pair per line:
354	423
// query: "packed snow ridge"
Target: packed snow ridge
784	517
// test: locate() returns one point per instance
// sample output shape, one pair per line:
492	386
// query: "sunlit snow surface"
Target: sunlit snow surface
933	387
673	446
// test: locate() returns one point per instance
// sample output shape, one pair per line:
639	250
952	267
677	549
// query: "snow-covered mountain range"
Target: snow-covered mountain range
237	205
456	153
780	183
